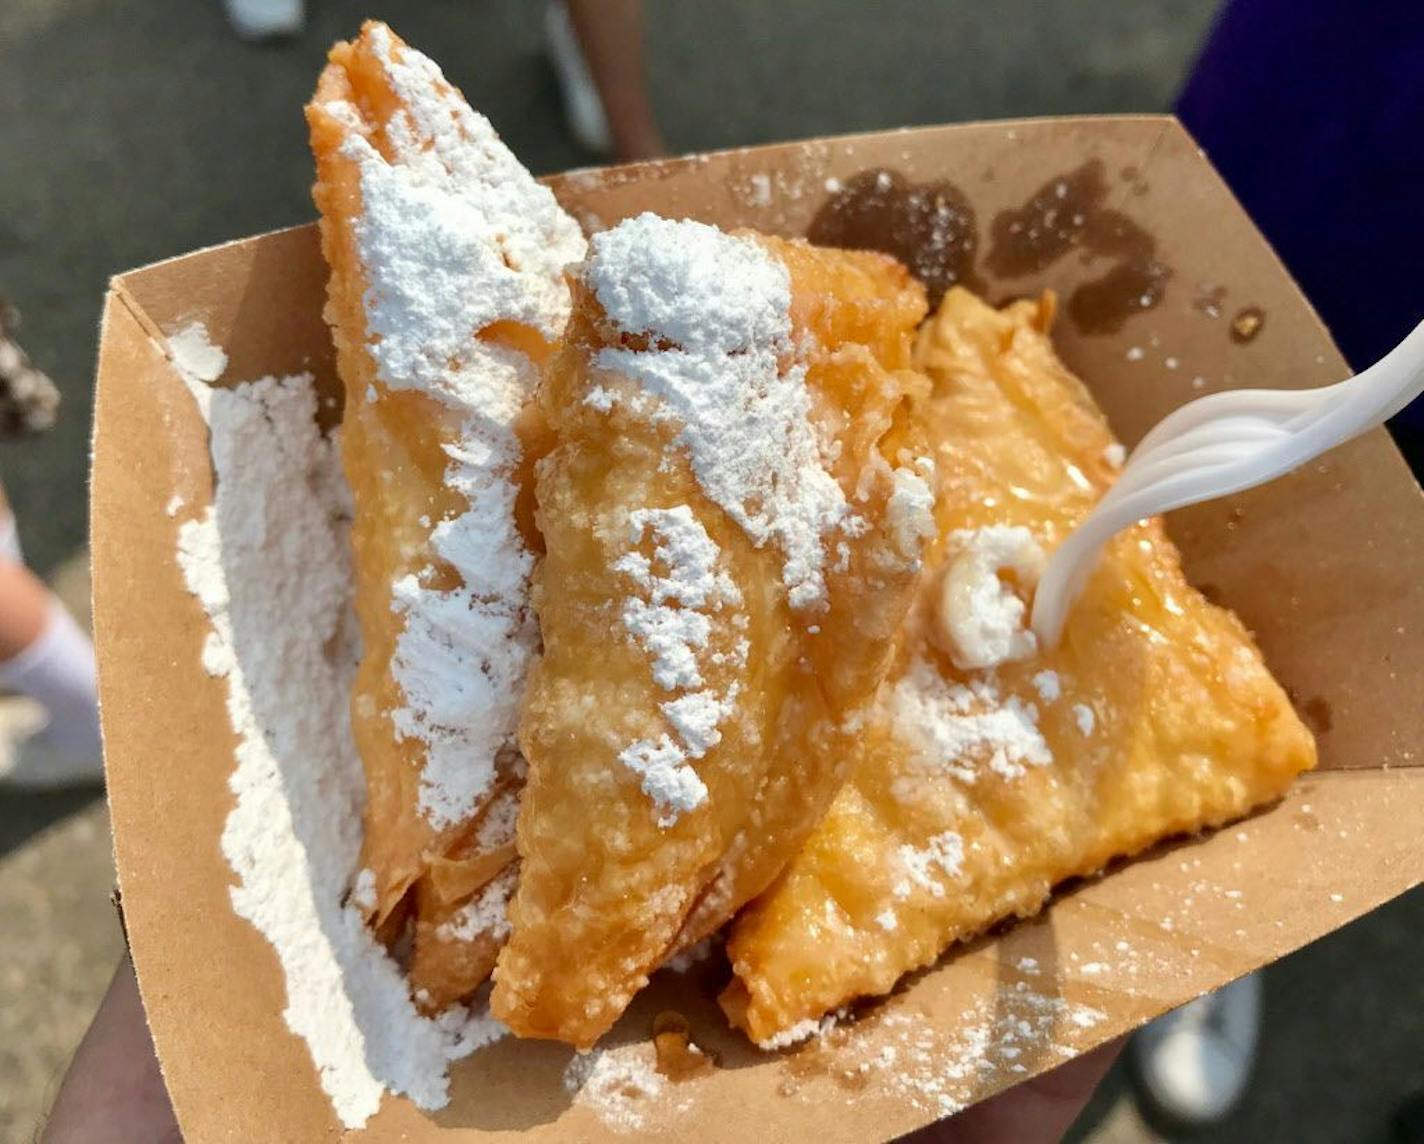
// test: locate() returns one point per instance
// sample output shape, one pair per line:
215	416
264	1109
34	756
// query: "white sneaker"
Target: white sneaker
583	109
266	19
1193	1064
27	761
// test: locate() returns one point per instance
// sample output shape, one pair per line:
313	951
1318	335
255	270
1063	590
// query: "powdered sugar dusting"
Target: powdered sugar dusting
269	563
801	1031
485	913
723	302
682	588
951	727
942	856
497	827
623	1087
475	194
941	1067
454	237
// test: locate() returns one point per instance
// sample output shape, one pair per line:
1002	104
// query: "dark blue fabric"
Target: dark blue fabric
1313	111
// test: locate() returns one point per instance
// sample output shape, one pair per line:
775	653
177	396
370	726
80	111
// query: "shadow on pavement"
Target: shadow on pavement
25	813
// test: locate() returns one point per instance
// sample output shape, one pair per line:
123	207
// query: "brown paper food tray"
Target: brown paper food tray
1324	566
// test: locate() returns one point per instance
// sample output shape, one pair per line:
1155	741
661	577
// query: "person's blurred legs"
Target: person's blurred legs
10	551
24	616
597	48
46	656
265	19
1192	1065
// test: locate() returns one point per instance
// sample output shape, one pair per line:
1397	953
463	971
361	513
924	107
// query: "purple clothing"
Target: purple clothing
1313	111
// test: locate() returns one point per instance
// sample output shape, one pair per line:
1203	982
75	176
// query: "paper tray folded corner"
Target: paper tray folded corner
1323	566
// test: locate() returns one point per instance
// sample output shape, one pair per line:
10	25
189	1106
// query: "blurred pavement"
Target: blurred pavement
137	129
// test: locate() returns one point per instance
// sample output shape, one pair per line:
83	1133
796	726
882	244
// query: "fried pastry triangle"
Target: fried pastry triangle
733	515
993	771
446	291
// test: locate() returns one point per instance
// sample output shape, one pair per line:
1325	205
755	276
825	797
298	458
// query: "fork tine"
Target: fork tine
1222	444
1243	431
1263	402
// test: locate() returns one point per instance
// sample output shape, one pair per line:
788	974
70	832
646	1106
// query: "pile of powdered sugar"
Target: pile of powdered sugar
909	510
269	563
718	309
454	237
682	588
980	619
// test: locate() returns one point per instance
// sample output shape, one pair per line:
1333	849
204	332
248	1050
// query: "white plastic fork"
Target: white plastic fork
1222	444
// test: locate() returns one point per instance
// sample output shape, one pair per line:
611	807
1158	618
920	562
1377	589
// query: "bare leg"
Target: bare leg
46	655
24	609
113	1091
610	32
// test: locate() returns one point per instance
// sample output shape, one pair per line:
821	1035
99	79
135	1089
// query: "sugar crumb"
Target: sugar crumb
363	889
1047	684
1085	719
680	587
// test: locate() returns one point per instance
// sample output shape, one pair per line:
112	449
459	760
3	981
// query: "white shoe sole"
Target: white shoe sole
266	19
1193	1065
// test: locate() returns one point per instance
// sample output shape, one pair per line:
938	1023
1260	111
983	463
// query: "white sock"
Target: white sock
10	540
57	670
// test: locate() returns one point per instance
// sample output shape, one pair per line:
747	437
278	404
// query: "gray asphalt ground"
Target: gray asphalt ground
131	130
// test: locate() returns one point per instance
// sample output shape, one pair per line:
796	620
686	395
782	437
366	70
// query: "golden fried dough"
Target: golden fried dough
446	291
993	770
733	514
